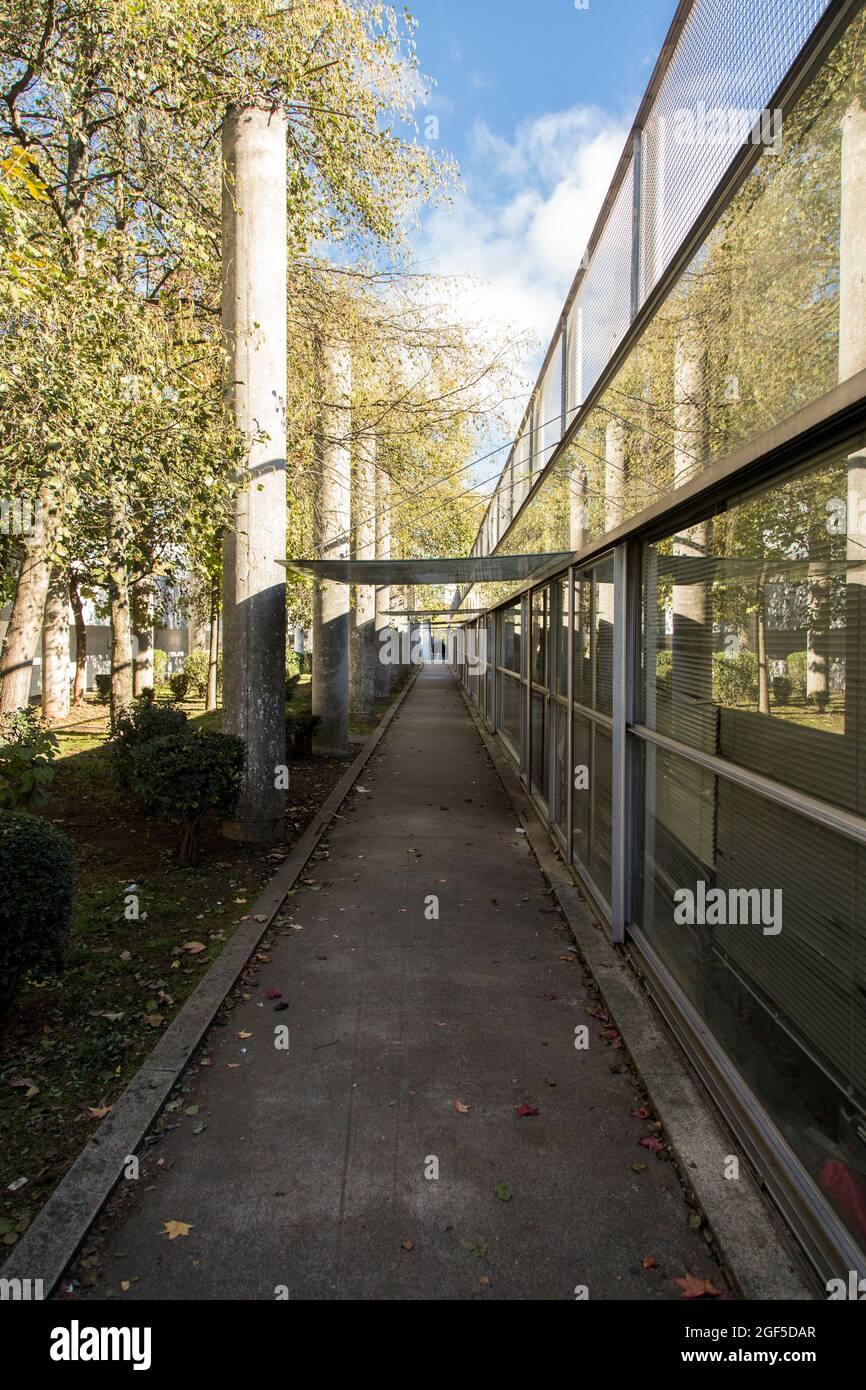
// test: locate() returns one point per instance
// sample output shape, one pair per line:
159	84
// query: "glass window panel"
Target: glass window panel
512	712
511	629
753	633
562	637
539	744
779	975
560	715
593	638
540	624
600	828
582	794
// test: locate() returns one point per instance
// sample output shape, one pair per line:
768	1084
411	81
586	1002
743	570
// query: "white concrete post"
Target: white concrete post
254	582
362	653
333	521
383	591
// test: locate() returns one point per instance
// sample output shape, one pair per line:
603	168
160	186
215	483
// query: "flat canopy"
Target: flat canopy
462	570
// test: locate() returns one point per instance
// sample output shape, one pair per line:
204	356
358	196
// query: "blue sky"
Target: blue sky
534	99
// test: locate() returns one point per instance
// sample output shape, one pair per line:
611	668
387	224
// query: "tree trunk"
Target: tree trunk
121	620
55	651
28	605
80	683
213	645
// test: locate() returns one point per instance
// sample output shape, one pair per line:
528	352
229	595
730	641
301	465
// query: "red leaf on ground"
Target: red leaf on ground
460	1107
693	1287
273	993
649	1141
649	1263
641	1114
524	1110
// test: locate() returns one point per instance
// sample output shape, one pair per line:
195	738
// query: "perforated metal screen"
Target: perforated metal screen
729	60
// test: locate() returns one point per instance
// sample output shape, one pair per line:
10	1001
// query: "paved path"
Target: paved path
310	1173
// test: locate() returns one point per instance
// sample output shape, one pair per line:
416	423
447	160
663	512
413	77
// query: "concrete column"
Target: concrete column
142	668
852	359
614	474
383	591
362	646
577	508
254	582
689	815
333	521
55	650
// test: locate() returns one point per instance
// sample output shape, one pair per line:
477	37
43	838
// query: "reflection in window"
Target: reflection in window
753	637
782	986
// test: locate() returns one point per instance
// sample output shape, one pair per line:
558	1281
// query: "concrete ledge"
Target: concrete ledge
46	1249
749	1238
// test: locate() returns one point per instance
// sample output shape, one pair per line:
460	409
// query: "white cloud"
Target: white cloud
522	224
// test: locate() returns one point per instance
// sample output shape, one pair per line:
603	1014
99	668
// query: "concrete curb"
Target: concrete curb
62	1224
748	1235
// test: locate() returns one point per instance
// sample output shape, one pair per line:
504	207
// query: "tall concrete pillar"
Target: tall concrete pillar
333	522
55	650
689	815
142	667
614	473
852	359
362	648
254	582
383	591
577	508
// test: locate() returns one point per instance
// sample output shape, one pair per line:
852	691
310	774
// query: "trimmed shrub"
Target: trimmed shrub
797	674
664	665
179	685
195	668
182	776
103	689
27	752
160	667
37	888
735	678
782	686
294	663
137	724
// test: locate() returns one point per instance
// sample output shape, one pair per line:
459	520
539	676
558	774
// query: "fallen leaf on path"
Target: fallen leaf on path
193	947
26	1084
124	1285
154	1020
98	1112
693	1287
641	1114
649	1263
173	1229
501	1191
243	1034
649	1141
408	1244
475	1245
273	993
525	1110
460	1107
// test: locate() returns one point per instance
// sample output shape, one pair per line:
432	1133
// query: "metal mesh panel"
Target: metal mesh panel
574	382
605	293
549	414
731	57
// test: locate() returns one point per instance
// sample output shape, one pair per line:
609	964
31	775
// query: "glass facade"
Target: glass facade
693	687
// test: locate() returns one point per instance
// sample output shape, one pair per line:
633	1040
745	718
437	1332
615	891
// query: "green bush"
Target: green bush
294	663
103	689
195	668
160	667
37	887
179	685
182	776
664	665
797	674
299	734
782	686
27	752
137	724
735	678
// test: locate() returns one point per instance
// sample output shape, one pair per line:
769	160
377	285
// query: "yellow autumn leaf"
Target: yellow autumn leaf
173	1229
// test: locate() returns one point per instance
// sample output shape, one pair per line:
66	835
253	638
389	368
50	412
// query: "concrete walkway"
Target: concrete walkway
312	1174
